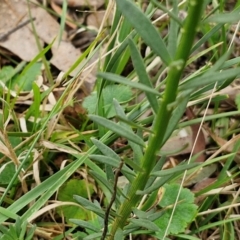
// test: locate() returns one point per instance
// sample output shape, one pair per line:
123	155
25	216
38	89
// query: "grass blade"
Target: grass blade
144	28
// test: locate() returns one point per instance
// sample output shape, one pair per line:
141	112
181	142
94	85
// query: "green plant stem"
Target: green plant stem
163	116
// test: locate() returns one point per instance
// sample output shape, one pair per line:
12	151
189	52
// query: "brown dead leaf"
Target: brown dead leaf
199	175
203	184
22	42
225	145
95	19
59	147
179	143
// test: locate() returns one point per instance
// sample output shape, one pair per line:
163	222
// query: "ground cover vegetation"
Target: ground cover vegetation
121	124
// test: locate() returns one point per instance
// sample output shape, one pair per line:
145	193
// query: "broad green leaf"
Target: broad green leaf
5	73
142	74
66	192
25	80
30	66
7	171
184	213
120	92
144	28
120	130
90	103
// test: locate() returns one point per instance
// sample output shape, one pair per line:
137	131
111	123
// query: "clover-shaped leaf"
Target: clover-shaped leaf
66	192
184	213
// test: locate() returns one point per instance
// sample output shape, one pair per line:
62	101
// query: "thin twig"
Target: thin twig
4	36
105	230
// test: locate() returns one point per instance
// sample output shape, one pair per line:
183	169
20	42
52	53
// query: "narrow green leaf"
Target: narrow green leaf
210	78
179	168
4	230
35	107
134	165
231	62
22	226
89	205
63	21
145	224
119	235
185	236
156	185
171	14
114	61
8	213
224	17
124	30
228	231
31	233
144	28
173	31
108	185
107	151
84	224
206	37
176	116
137	150
142	74
110	161
120	130
102	180
93	236
116	78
